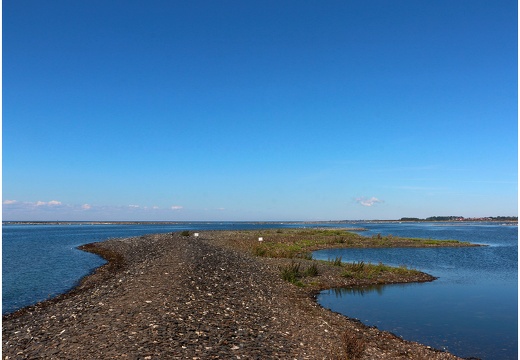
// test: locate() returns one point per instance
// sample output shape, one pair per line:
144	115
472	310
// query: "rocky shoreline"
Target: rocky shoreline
169	296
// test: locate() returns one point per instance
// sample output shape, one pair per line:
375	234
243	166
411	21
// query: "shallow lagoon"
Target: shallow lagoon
470	310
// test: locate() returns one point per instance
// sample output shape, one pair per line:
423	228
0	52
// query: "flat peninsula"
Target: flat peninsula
215	295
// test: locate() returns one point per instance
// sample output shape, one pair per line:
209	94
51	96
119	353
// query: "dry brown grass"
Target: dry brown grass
353	346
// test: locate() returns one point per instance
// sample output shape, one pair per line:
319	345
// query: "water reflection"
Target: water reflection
358	290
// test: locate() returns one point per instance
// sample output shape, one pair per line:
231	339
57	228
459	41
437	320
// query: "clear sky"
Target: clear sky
259	110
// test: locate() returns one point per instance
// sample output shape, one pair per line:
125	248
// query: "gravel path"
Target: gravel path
173	297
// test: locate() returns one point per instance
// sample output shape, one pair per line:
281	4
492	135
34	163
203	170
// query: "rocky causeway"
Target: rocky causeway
177	296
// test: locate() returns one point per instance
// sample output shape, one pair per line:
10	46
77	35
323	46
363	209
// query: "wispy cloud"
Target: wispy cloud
48	203
54	209
368	202
16	206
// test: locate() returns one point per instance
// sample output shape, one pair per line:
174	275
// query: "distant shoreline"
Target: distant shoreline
83	222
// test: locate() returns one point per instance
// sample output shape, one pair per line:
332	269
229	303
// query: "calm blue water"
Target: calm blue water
471	310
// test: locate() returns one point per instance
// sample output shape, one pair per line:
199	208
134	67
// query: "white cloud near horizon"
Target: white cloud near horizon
53	210
368	202
16	210
16	204
48	203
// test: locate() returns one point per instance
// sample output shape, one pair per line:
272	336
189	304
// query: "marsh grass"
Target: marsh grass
278	250
336	261
355	266
312	270
361	270
297	243
293	272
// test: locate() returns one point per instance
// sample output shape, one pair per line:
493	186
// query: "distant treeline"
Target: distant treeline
461	218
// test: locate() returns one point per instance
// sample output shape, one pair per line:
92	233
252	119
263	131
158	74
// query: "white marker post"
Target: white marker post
260	239
196	235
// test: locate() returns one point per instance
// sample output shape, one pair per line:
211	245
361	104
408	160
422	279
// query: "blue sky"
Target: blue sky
271	110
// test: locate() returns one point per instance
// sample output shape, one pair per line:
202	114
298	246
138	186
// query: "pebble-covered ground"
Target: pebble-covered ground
170	296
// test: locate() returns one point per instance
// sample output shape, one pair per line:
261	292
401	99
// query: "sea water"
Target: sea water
471	310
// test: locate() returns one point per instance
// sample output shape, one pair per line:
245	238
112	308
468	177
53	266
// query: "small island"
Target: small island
217	294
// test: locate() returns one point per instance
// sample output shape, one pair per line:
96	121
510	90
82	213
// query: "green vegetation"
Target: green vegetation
292	272
312	270
336	261
185	233
297	243
361	270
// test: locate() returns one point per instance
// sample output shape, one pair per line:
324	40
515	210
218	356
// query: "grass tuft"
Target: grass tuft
336	261
291	272
312	270
355	266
